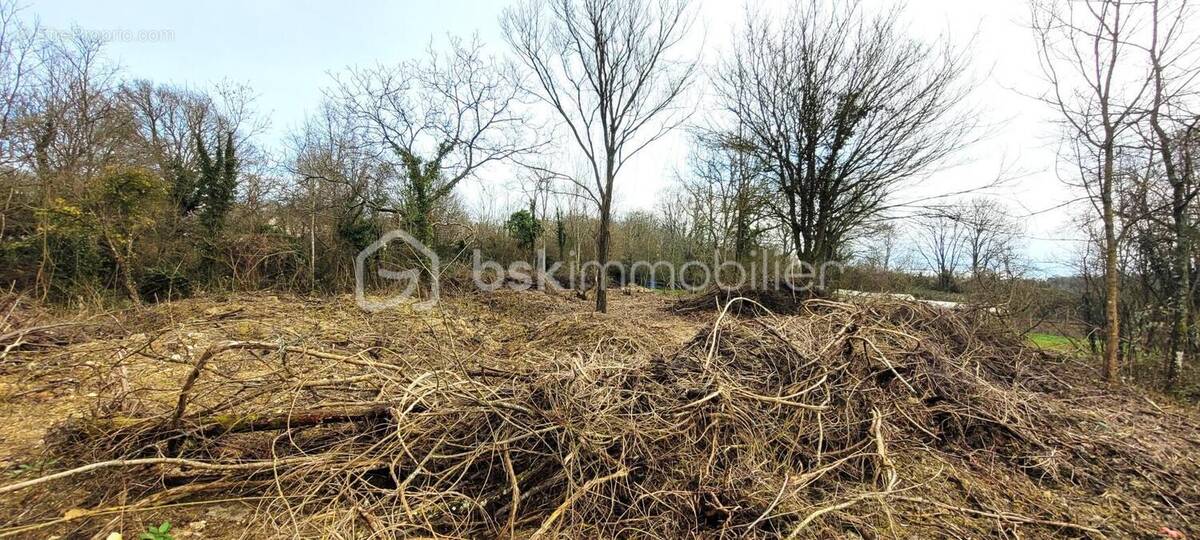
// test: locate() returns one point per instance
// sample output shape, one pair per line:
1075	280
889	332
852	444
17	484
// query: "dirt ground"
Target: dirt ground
133	363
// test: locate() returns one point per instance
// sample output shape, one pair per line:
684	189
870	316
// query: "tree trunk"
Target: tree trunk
1180	264
602	238
1111	283
312	243
121	256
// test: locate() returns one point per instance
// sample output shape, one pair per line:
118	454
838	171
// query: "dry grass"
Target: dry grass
522	415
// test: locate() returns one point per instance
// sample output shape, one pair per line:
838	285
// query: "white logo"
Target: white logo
412	276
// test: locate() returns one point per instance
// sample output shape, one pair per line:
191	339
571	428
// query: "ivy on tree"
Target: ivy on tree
217	182
524	228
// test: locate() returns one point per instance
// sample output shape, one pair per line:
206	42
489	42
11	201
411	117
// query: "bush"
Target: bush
158	285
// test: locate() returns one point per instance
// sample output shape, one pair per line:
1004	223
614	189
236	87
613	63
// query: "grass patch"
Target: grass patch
1054	342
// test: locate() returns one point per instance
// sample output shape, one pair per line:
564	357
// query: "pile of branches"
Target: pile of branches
780	299
810	426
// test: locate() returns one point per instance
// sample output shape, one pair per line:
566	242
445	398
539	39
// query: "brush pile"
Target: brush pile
840	421
781	299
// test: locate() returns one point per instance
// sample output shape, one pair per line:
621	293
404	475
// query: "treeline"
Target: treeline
121	186
111	183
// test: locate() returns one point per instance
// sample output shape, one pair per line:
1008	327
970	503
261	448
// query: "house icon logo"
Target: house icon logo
429	266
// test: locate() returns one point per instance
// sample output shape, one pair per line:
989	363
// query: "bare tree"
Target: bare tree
72	123
841	108
1083	48
167	121
1173	127
880	246
342	180
727	180
18	42
941	243
606	69
70	127
18	57
677	216
441	121
990	233
536	186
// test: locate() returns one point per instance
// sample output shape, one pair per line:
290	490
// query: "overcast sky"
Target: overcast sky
285	50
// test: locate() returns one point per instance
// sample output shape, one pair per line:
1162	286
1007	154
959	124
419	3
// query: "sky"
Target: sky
286	51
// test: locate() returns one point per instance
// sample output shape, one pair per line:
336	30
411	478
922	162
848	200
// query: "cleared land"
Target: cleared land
525	415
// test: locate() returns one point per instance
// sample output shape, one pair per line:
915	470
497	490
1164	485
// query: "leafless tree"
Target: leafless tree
606	67
537	187
72	122
990	233
842	108
727	180
439	121
341	180
168	120
881	246
1174	126
1084	48
941	241
18	58
70	126
677	216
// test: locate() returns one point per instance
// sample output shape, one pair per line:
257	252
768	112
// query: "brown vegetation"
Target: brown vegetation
522	415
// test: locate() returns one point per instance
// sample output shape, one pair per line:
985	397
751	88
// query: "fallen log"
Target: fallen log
150	431
176	421
263	464
225	424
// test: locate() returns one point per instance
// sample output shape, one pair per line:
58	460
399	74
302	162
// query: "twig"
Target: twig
516	493
156	461
1004	516
571	500
833	508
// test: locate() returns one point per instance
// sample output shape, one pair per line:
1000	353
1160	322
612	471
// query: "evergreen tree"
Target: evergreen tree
560	234
524	228
183	184
217	183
